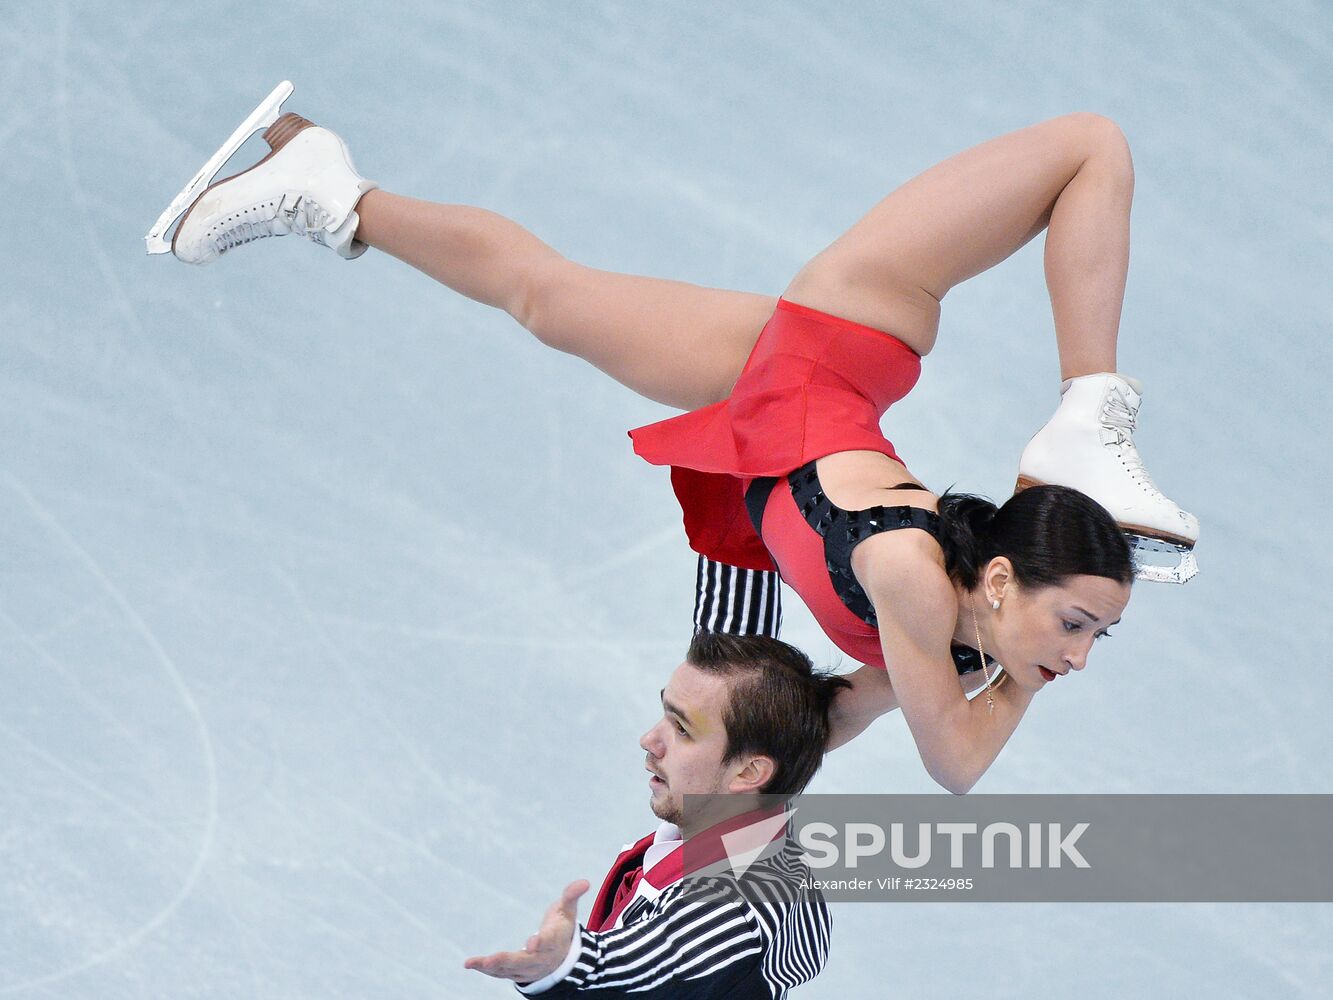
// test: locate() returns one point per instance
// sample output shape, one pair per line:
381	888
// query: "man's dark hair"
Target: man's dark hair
778	706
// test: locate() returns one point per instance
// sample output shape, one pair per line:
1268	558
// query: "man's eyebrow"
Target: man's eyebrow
674	710
1091	617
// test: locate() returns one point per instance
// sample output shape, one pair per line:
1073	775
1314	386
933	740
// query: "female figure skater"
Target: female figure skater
781	464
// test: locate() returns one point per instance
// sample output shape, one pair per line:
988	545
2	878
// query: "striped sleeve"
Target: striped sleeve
697	941
736	601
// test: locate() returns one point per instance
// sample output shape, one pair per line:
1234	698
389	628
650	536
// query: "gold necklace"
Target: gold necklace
985	671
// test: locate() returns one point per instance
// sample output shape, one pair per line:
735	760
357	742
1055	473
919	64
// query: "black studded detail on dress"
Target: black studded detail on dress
842	530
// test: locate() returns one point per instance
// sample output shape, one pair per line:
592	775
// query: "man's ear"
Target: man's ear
754	775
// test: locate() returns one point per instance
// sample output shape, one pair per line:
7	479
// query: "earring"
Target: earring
995	604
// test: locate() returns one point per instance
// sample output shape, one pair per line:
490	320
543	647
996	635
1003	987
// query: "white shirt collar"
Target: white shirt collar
666	840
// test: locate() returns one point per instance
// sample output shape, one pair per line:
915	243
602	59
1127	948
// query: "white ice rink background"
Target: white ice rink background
332	607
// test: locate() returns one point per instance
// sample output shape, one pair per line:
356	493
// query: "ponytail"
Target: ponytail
965	522
1048	533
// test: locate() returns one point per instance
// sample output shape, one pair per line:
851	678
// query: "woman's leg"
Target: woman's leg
675	343
1072	176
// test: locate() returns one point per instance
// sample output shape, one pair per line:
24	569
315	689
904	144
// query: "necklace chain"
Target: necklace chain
990	696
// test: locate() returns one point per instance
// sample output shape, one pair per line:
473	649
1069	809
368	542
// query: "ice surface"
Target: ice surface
332	607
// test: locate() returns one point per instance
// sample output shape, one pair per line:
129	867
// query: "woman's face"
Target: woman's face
1042	634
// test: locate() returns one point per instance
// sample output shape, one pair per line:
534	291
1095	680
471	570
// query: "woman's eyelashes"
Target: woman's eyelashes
1078	626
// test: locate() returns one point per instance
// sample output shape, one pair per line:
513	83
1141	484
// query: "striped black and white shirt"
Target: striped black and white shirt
736	601
752	938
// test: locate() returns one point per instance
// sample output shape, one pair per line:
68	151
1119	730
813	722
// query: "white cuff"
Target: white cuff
566	967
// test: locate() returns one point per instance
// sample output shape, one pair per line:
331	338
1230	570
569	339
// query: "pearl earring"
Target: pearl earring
995	604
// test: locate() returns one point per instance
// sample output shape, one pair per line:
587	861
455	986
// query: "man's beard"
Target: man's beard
668	810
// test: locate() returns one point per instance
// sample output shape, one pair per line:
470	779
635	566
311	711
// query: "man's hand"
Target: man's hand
545	950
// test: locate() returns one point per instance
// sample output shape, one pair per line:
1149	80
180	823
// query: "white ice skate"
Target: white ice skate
306	185
1089	445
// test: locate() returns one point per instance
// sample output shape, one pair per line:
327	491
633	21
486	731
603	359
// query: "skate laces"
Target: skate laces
307	217
301	215
1119	417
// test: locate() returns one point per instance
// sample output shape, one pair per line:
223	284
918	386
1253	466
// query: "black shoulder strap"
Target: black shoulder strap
756	499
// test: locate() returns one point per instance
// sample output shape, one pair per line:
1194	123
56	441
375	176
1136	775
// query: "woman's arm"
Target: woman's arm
917	608
855	708
870	696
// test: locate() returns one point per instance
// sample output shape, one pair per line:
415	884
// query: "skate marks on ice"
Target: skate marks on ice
458	795
87	212
204	846
142	327
222	880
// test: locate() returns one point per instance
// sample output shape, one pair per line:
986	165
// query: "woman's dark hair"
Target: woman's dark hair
778	705
1047	532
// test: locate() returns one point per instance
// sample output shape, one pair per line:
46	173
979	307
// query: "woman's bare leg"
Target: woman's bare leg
675	343
1072	176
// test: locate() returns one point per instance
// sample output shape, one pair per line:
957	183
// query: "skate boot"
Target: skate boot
1089	445
305	185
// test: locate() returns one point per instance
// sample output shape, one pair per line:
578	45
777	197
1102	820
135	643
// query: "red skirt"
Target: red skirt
814	385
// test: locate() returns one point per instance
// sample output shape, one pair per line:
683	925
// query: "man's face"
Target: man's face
686	745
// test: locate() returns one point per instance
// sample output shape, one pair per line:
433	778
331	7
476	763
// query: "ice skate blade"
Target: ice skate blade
261	118
1167	537
276	135
1155	559
1179	566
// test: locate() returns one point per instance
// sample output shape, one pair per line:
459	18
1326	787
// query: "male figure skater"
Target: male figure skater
742	716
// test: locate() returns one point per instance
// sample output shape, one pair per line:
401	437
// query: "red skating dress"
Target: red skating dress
814	385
